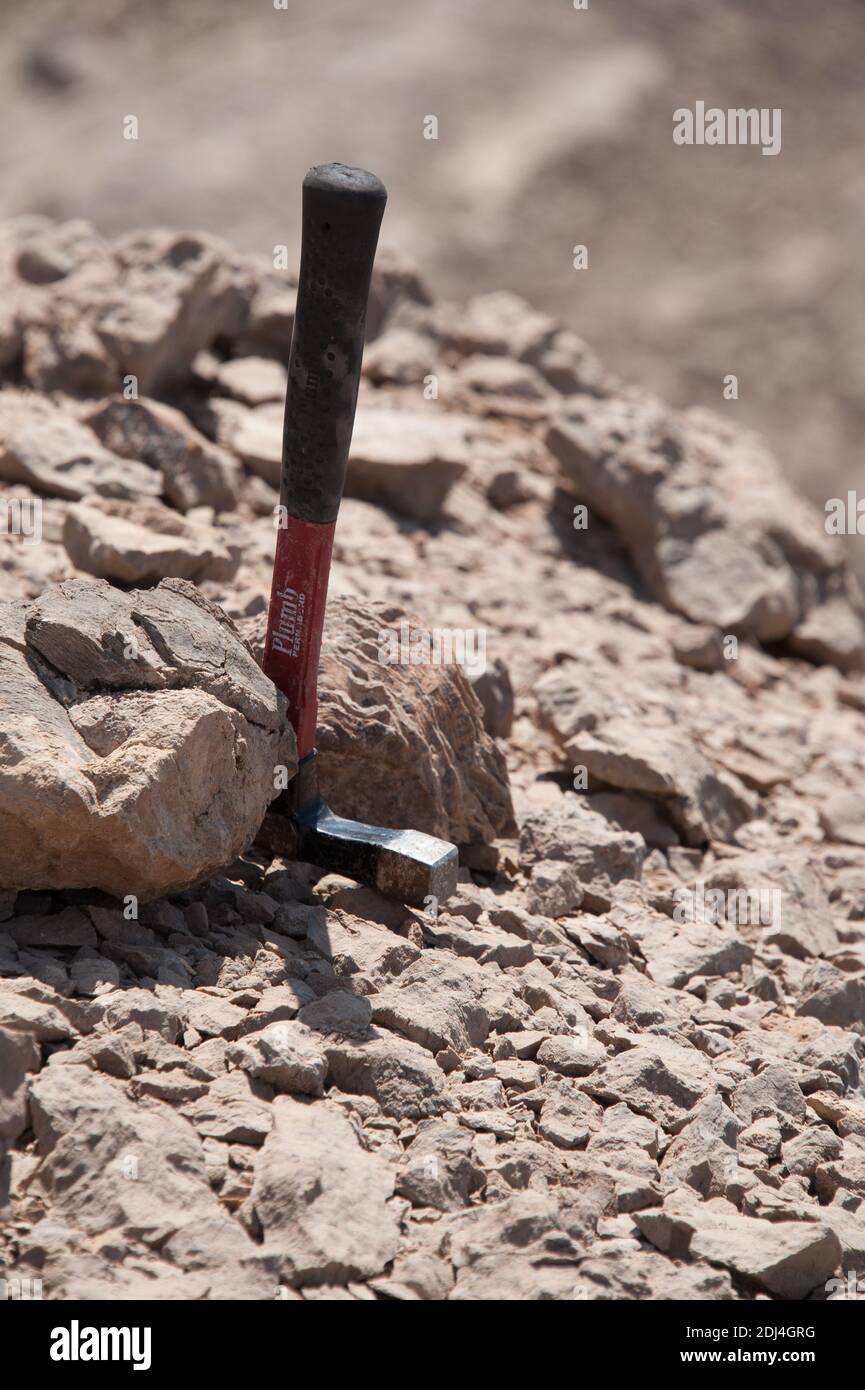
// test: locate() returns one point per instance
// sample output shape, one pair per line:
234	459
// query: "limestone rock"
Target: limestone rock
195	473
843	817
285	1056
496	694
403	745
643	744
181	291
113	1166
708	518
145	737
56	250
658	1078
19	1057
623	1276
235	1110
512	1250
595	853
407	460
437	1005
56	455
320	1199
401	356
570	1056
254	435
400	1075
772	1090
438	1169
142	542
800	921
568	1117
703	1155
500	324
787	1258
676	958
832	995
253	380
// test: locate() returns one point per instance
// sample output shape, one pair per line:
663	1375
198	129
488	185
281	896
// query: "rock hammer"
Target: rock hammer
342	212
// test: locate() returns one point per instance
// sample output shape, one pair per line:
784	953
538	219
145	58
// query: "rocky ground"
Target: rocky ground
624	1060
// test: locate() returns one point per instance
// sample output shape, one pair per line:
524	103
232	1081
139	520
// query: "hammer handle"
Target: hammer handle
342	212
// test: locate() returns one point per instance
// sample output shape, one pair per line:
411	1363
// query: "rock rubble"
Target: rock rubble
625	1060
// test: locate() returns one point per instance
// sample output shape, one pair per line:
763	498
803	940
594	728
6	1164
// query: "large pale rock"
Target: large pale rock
19	1056
437	1004
499	324
55	454
626	1276
703	1155
321	1199
568	1117
788	1259
269	316
496	693
110	1165
142	542
842	816
599	854
235	1110
39	1011
396	285
710	522
399	1074
144	310
254	435
800	917
774	1090
356	947
676	957
407	460
438	1169
625	735
401	356
253	380
658	1078
646	760
283	1055
515	1250
141	740
55	250
832	995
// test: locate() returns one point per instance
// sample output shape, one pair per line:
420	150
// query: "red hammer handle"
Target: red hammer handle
342	212
295	620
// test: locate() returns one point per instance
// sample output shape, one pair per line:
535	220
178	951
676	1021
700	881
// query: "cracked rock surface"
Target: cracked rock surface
139	739
625	1060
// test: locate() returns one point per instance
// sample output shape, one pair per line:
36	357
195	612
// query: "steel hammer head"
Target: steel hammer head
403	864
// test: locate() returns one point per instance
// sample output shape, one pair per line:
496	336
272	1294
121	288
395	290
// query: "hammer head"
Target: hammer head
403	864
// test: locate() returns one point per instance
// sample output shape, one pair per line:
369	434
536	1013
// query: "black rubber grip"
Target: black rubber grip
342	212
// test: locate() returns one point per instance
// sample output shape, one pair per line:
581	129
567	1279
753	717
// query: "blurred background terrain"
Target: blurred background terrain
554	128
